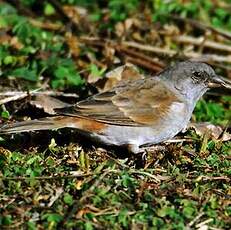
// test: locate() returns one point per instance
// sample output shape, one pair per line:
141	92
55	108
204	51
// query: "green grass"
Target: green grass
168	196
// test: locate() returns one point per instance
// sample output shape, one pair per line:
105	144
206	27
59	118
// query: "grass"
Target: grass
170	192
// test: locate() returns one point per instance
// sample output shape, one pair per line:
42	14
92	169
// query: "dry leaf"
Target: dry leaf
226	136
128	23
48	104
214	131
120	74
119	29
45	24
72	12
78	184
109	53
73	44
82	212
16	43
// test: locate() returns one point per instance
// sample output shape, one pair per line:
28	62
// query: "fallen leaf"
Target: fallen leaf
122	73
226	136
214	131
73	44
119	29
78	184
48	104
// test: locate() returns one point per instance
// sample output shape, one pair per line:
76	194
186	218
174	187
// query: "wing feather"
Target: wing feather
139	103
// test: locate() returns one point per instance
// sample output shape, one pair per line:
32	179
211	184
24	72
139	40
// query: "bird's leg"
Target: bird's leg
139	155
189	125
137	150
152	148
134	148
184	129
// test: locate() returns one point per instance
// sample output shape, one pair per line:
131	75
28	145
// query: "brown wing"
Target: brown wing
138	103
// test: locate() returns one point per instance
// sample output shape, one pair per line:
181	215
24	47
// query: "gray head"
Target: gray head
193	79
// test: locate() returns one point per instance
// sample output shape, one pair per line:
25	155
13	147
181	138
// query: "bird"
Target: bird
135	113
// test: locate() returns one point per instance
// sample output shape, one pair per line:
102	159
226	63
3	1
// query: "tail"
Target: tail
40	124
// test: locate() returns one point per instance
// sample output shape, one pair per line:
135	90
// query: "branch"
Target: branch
171	53
200	40
131	55
202	26
58	177
16	95
66	18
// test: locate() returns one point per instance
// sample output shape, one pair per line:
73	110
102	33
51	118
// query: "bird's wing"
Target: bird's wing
138	103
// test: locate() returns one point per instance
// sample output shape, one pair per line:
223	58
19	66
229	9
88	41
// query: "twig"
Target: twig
36	92
213	228
157	178
16	95
198	41
168	52
58	193
179	140
20	8
59	177
202	26
149	48
13	98
216	178
45	25
66	18
195	219
157	64
143	64
204	222
157	50
132	55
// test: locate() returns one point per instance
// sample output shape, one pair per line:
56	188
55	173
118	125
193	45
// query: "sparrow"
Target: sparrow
135	113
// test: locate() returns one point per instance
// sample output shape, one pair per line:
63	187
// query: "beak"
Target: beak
219	81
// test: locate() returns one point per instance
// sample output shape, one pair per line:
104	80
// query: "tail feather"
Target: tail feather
33	125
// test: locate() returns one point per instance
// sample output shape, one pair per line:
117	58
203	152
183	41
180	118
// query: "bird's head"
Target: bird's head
193	79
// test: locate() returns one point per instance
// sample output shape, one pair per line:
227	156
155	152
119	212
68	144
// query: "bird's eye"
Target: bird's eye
196	76
200	77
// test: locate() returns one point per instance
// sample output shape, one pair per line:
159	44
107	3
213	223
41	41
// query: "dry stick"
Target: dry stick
143	64
168	52
158	64
157	178
12	98
20	8
149	48
22	178
132	55
195	219
202	26
45	25
198	41
16	95
36	92
157	50
207	178
204	223
66	18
